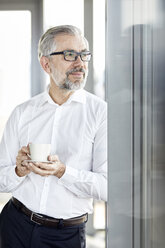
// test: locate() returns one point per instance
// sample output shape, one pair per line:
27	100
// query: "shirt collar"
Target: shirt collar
77	96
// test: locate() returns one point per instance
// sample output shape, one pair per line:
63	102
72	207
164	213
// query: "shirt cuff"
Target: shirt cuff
70	176
10	180
14	175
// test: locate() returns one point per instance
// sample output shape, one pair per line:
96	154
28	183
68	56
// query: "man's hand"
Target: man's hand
57	168
22	167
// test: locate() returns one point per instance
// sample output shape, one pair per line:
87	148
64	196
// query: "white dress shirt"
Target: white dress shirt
77	133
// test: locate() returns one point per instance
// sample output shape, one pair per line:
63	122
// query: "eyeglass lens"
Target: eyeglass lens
72	56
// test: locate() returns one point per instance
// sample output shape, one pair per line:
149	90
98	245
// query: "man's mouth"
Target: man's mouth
76	72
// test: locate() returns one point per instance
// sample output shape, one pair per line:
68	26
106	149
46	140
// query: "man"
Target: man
51	200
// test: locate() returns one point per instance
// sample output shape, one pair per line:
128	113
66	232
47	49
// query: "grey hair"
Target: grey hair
47	43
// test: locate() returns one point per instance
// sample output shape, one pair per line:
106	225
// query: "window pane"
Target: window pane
15	44
64	12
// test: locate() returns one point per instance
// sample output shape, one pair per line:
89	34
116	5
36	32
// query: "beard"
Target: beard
67	84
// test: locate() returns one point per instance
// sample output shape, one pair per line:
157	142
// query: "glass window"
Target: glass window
15	46
64	12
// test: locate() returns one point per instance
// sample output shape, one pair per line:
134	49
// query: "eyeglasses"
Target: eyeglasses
71	55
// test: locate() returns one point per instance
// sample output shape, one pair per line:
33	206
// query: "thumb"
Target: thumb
28	146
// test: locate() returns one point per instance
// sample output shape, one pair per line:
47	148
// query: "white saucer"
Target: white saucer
35	161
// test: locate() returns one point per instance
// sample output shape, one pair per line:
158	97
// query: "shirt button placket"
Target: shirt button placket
57	116
44	195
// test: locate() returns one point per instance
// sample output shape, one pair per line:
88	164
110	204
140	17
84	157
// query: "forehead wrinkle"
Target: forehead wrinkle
73	50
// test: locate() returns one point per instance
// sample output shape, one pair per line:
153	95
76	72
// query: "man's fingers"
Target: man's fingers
22	168
22	158
23	154
24	150
39	171
24	163
55	168
53	158
45	166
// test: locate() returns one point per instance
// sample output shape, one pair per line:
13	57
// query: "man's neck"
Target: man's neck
58	95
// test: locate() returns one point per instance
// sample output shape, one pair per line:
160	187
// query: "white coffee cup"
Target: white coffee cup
39	152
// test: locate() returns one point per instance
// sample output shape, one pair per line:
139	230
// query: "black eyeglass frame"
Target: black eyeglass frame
78	54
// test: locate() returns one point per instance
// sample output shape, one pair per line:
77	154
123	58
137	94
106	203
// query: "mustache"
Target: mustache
75	70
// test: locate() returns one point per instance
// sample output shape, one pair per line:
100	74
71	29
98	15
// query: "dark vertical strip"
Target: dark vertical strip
88	32
133	124
152	122
106	98
141	134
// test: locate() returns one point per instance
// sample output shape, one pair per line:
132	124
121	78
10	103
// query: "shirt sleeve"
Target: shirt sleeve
91	184
9	147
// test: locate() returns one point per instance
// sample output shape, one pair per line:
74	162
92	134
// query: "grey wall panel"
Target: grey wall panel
119	97
135	78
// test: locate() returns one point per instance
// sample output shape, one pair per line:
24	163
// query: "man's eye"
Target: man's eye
84	54
71	54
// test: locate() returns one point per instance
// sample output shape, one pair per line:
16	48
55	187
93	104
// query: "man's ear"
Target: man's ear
45	63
